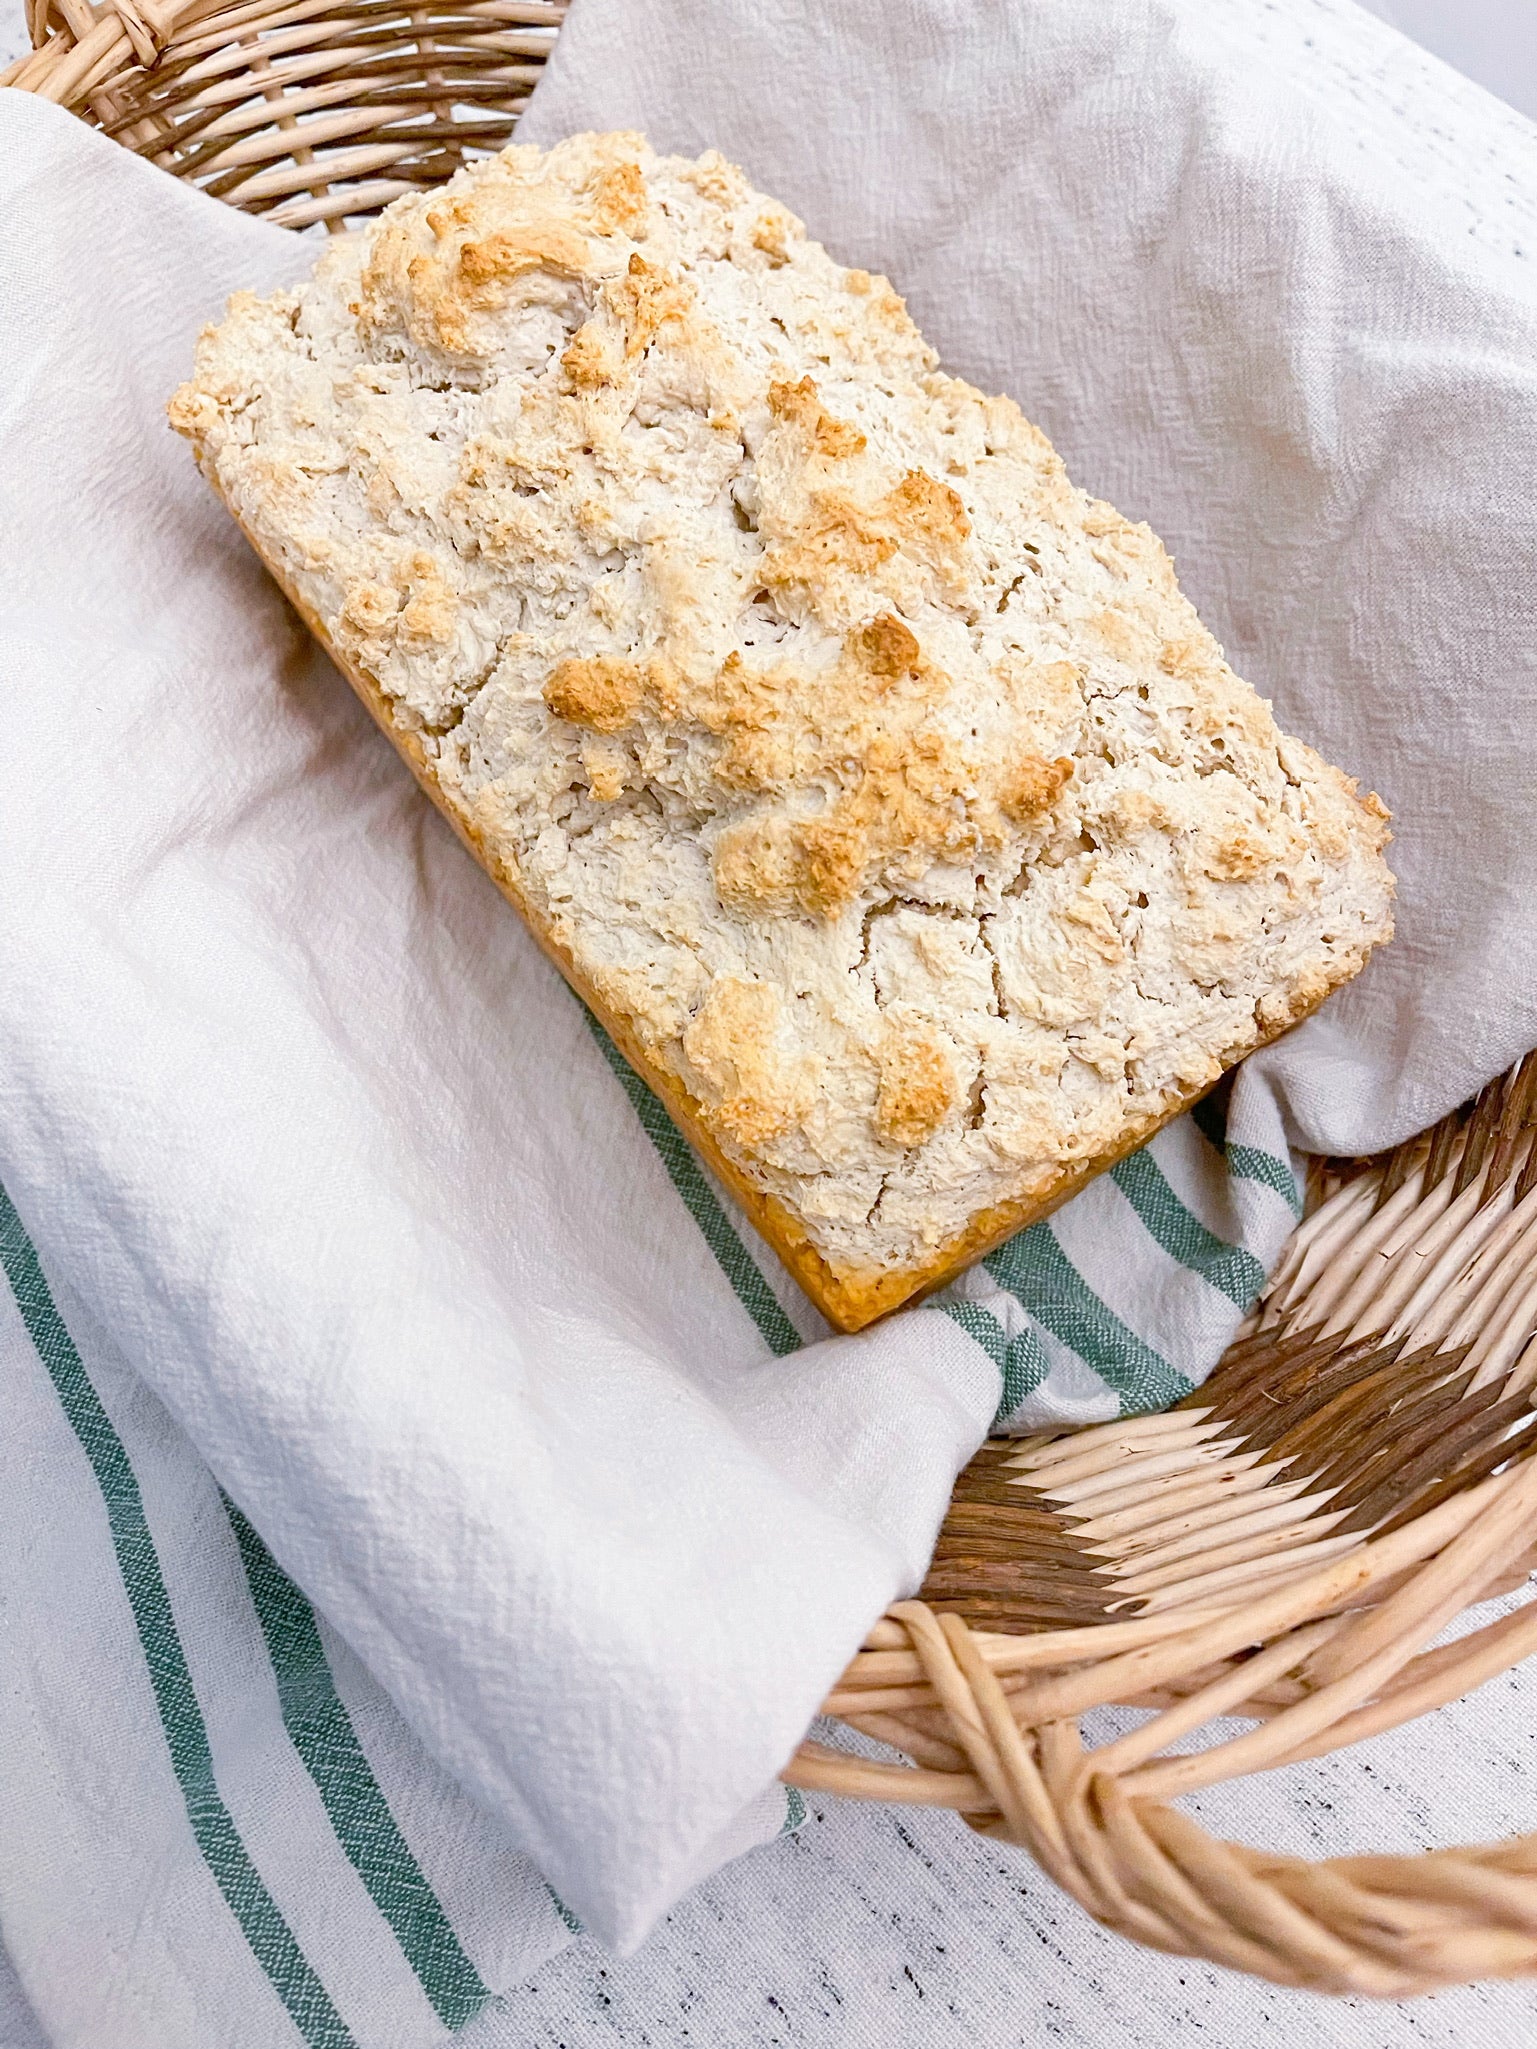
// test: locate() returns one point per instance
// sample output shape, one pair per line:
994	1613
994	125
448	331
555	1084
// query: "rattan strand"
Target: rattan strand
1284	1548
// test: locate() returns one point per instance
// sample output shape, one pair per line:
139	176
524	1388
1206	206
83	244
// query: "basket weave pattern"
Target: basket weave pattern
1283	1548
305	111
1286	1547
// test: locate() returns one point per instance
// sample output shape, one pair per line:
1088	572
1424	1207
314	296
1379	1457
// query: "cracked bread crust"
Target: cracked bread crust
878	789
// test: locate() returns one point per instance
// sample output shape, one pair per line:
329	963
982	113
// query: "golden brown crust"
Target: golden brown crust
870	780
917	1085
849	1297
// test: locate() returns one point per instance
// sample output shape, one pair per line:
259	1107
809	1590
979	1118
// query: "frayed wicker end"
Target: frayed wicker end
1284	1548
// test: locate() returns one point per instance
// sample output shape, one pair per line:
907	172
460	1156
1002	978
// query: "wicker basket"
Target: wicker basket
1287	1546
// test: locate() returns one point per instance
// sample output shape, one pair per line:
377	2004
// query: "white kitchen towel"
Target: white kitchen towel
298	1128
326	1175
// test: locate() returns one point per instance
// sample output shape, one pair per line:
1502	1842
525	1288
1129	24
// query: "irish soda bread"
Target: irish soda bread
876	787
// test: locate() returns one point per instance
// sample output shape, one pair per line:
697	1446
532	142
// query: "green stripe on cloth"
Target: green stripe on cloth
268	1934
699	1198
322	1733
1020	1359
1231	1268
1033	1267
573	1925
1248	1163
1245	1162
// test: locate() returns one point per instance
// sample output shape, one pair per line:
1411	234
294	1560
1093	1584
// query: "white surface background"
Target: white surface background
1493	41
877	1930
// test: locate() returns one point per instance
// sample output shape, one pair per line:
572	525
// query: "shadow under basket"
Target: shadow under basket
1285	1548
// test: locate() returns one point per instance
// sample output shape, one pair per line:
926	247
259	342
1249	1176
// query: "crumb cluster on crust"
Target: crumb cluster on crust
883	782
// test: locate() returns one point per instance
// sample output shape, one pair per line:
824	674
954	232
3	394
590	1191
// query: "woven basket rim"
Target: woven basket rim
1286	1546
305	111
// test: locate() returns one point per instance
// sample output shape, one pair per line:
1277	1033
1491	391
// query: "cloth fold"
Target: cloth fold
451	1497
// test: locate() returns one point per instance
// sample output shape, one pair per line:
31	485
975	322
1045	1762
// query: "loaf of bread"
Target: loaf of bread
877	788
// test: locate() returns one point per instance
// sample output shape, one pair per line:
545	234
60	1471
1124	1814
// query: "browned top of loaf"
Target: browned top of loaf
883	783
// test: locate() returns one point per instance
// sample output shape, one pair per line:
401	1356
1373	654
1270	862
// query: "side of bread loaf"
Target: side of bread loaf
878	789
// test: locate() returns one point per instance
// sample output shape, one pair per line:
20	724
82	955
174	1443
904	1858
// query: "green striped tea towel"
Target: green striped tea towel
205	1786
214	1829
1126	1298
